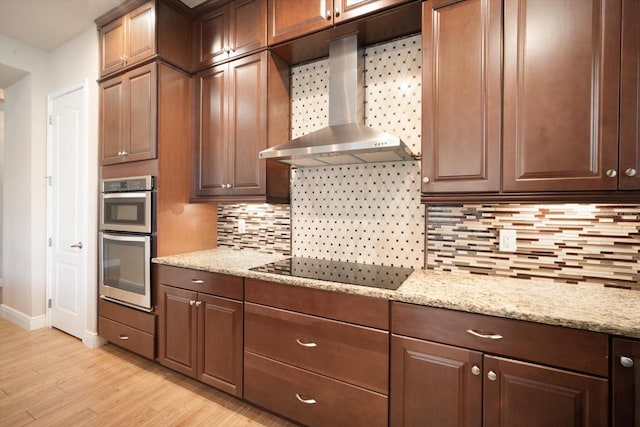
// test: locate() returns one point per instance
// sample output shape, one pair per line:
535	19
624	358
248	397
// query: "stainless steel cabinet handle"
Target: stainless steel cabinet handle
77	245
630	172
611	173
307	401
197	281
485	336
306	344
492	375
475	370
123	337
198	303
627	362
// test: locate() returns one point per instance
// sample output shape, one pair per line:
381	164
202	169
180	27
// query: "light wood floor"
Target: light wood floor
48	378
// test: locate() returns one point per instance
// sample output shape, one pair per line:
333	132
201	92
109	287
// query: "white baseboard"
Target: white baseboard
93	340
19	318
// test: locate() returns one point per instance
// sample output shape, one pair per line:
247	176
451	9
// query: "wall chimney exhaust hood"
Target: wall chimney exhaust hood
346	140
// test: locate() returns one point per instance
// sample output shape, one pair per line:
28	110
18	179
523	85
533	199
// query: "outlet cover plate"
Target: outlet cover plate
508	239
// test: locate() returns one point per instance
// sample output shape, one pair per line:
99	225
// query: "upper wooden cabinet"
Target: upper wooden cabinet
141	29
289	19
543	124
232	128
128	111
461	66
229	31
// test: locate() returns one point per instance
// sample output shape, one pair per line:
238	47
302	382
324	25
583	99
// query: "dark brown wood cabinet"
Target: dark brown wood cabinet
200	333
229	31
464	374
128	111
317	357
625	379
629	166
128	328
462	99
289	19
234	123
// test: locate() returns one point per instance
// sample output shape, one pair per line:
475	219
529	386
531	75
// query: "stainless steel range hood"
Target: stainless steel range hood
346	140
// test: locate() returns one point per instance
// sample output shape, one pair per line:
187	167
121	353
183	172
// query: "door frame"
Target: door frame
84	87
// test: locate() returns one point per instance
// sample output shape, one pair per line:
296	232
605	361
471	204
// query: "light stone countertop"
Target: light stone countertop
584	306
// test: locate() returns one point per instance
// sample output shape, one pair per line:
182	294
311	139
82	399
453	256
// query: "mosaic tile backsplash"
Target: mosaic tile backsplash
570	243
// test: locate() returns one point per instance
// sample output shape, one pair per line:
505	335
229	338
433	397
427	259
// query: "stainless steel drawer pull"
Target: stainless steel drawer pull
123	337
486	336
307	401
627	362
306	344
197	281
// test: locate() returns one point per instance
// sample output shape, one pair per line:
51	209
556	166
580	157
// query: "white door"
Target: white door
67	209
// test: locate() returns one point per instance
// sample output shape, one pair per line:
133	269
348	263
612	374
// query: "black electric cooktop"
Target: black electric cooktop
375	276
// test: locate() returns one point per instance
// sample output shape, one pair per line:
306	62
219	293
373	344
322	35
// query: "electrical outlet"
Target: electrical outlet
508	241
242	226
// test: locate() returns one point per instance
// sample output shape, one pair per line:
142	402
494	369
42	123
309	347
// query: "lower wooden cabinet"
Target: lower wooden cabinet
446	384
200	334
625	378
128	328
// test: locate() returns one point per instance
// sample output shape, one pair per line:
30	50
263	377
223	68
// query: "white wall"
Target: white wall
24	225
1	174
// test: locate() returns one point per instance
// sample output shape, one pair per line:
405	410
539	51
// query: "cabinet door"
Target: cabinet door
289	19
526	395
140	113
211	145
247	124
112	127
561	61
211	42
625	377
140	39
247	26
434	384
461	125
112	46
630	97
220	323
177	329
349	9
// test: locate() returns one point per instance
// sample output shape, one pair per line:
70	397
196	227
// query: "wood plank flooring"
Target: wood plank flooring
48	378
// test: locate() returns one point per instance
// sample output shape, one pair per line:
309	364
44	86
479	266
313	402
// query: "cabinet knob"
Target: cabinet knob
306	344
492	376
475	370
307	401
627	362
611	173
227	50
337	13
630	172
425	180
191	302
328	15
198	303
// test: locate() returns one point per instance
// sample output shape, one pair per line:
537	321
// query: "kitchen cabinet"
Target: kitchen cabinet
200	326
629	168
127	40
234	123
128	110
625	378
290	19
483	370
317	357
128	328
139	31
229	31
461	120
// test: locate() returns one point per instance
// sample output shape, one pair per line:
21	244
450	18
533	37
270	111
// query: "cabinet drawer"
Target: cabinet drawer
200	281
284	389
362	310
551	345
127	337
355	354
145	322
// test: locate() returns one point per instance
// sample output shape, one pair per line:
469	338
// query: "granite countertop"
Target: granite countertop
585	306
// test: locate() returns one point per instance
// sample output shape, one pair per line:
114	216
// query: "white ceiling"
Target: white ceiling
48	24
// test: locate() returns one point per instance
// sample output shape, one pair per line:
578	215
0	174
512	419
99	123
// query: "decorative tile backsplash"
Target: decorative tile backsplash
570	243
